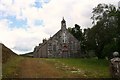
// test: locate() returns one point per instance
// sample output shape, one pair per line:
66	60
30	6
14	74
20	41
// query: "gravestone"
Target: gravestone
115	65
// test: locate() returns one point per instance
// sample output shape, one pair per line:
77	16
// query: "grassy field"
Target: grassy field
53	67
87	67
11	66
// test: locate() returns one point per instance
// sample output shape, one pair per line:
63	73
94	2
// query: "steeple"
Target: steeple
63	24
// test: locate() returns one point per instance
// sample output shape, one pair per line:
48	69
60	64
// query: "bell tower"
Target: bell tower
63	25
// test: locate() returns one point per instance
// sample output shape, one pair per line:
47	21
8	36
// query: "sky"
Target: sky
24	23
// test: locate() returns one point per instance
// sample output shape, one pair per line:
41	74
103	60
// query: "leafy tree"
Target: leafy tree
76	31
104	36
118	29
104	29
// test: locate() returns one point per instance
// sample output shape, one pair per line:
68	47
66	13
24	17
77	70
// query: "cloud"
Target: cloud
19	39
38	22
24	23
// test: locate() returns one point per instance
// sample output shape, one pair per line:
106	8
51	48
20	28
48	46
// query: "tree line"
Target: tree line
103	38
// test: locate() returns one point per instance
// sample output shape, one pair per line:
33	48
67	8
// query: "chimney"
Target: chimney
44	40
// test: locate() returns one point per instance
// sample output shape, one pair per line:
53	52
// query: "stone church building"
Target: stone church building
63	44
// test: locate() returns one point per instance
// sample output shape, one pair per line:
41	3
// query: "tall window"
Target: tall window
64	37
54	47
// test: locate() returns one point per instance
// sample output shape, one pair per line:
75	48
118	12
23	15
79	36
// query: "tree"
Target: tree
76	32
105	27
104	36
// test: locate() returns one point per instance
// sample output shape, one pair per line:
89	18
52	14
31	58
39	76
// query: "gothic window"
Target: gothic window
75	46
64	37
72	45
54	47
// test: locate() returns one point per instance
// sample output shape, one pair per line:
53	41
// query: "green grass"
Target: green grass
91	67
10	67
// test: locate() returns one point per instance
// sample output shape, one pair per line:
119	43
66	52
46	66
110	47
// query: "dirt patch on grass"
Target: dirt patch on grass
42	68
45	68
38	68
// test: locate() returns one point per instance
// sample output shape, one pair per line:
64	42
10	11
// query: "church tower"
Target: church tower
63	25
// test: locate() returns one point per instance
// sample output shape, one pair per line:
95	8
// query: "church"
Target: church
61	45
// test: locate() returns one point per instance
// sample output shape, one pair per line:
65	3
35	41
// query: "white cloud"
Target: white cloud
20	39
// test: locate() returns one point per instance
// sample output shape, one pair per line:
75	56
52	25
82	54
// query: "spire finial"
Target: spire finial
63	17
63	20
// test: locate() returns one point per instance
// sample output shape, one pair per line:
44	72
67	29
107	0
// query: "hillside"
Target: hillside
6	53
30	54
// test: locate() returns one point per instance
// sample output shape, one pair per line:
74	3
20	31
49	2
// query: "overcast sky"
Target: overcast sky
24	23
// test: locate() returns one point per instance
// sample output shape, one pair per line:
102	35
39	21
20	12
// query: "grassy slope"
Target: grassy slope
6	53
89	67
10	61
10	67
